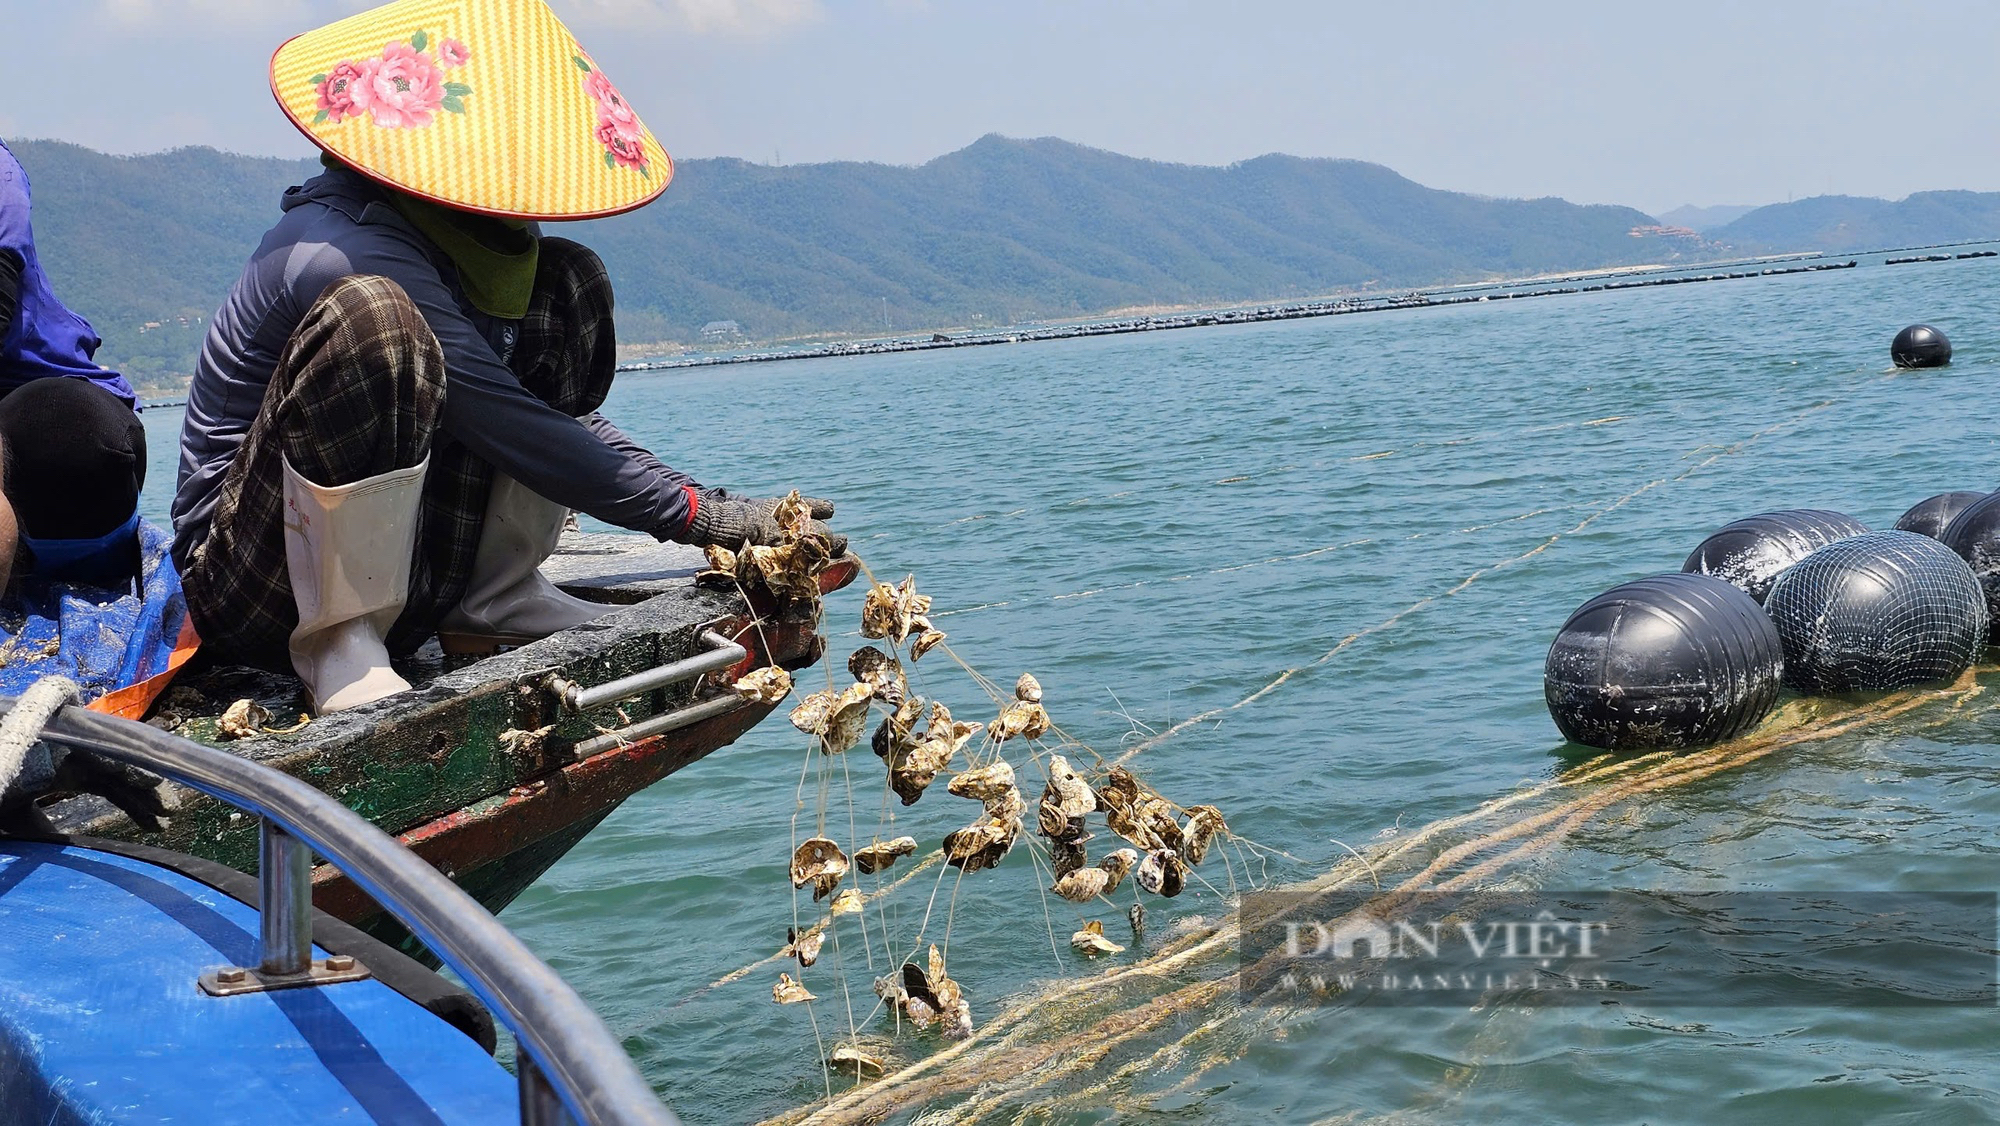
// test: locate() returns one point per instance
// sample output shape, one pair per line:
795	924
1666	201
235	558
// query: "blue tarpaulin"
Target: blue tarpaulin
104	639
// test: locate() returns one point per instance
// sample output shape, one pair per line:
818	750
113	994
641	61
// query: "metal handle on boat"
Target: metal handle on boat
721	654
566	1052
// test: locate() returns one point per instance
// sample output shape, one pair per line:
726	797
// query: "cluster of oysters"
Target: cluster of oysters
917	740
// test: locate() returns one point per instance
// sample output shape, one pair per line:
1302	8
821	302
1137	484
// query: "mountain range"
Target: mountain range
999	232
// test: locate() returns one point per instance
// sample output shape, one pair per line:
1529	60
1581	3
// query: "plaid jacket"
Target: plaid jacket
338	224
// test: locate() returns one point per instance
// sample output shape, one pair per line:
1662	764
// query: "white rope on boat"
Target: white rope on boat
22	726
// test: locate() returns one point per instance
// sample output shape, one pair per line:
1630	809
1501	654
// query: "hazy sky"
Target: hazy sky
1651	105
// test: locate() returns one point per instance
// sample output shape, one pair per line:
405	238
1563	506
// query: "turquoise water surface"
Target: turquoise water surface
1160	526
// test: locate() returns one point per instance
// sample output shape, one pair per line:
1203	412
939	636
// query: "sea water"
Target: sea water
1160	526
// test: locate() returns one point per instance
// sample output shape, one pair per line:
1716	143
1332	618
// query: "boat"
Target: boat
492	768
139	984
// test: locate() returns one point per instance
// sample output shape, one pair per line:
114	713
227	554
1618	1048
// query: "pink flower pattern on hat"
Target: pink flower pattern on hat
402	88
618	128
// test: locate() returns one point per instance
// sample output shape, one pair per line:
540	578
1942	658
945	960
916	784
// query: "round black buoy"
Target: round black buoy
1932	515
1920	346
1975	535
1752	552
1877	612
1667	662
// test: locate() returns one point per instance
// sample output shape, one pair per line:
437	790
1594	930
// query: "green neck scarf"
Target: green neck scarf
495	257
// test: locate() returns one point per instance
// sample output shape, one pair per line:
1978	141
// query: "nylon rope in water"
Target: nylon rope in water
1161	963
1012	1057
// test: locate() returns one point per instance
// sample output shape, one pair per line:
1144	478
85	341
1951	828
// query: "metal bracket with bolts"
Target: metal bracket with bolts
228	981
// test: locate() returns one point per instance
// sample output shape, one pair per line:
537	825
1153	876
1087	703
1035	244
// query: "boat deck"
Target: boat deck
476	768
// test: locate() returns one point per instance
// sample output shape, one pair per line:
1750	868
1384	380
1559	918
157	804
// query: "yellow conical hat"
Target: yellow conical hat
485	105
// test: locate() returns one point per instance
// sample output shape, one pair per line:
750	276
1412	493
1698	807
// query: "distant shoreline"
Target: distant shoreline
1465	295
1470	293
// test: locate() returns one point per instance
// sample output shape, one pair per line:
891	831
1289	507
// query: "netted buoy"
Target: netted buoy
1877	612
1666	662
1975	535
1932	515
1752	552
1920	346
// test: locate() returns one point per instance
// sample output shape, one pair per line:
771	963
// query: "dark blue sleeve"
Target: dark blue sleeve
487	409
611	436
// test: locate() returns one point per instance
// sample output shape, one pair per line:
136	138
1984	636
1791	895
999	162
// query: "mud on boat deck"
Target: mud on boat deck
476	768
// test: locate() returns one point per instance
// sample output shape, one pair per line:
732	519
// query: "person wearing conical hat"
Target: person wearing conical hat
396	407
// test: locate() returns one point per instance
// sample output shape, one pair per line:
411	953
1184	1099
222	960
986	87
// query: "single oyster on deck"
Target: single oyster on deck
241	720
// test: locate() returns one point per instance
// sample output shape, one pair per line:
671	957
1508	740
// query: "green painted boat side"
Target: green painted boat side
475	768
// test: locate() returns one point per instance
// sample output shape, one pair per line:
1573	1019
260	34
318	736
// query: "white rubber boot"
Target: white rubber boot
507	601
348	549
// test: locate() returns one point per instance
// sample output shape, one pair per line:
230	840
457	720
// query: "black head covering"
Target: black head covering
76	458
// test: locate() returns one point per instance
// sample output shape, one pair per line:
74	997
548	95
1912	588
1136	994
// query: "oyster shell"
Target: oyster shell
982	844
1091	940
804	944
930	997
1020	718
878	610
880	672
895	612
818	862
1066	856
790	571
1066	800
1204	825
810	714
789	992
241	720
1162	872
911	773
1086	884
925	642
942	726
881	855
1028	689
846	903
768	685
986	783
850	1059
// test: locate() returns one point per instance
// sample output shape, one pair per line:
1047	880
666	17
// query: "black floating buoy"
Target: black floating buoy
1752	552
1667	662
1920	346
1975	535
1877	612
1932	515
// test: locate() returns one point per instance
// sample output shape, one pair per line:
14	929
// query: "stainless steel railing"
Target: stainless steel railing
570	1066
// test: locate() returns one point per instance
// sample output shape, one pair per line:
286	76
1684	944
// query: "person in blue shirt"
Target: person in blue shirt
76	451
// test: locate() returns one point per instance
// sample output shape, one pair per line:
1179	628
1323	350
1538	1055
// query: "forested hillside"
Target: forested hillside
1001	231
